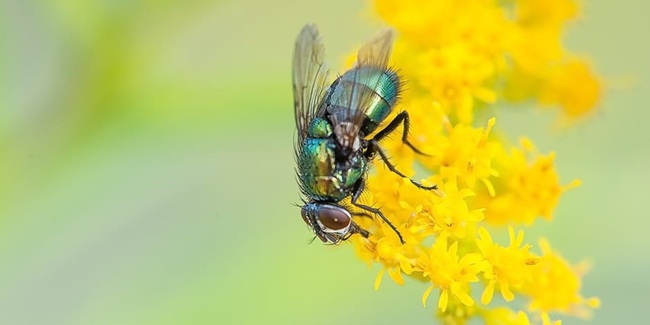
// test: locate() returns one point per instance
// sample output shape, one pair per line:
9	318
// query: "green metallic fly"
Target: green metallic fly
332	149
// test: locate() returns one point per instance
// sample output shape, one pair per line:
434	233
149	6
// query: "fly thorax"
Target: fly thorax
347	135
319	128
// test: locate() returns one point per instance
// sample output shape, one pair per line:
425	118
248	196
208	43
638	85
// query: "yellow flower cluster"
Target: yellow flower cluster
470	53
461	57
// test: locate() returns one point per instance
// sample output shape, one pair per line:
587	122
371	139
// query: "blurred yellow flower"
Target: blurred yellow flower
465	54
505	316
463	59
528	187
557	285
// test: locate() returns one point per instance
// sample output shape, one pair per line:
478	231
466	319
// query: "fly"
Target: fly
333	149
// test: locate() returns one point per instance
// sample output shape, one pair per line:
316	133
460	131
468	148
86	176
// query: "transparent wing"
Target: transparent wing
361	90
309	77
376	52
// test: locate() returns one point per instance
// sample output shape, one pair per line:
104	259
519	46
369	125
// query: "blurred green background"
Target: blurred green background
146	167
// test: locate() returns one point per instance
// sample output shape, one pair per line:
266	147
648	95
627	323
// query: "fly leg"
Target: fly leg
373	146
402	117
355	229
358	188
361	214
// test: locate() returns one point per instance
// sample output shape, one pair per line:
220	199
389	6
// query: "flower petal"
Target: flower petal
378	278
488	293
444	298
425	296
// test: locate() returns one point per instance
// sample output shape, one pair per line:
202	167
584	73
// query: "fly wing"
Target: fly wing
376	52
309	78
360	91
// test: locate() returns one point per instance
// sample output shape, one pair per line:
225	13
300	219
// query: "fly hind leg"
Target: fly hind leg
401	118
373	147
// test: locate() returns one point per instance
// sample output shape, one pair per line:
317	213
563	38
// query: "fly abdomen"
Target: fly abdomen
367	88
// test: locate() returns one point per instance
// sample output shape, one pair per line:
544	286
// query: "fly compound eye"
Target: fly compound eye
303	214
334	219
305	218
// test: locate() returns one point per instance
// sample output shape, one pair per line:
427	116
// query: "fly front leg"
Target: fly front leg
356	229
361	214
358	188
373	147
403	118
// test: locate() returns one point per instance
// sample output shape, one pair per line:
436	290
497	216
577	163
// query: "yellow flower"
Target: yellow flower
510	267
395	257
465	153
526	189
397	195
449	214
462	59
457	313
545	13
504	316
459	153
383	245
557	285
454	75
465	54
450	272
573	86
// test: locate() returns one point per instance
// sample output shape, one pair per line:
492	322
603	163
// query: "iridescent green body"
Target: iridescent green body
326	173
337	132
384	84
323	175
